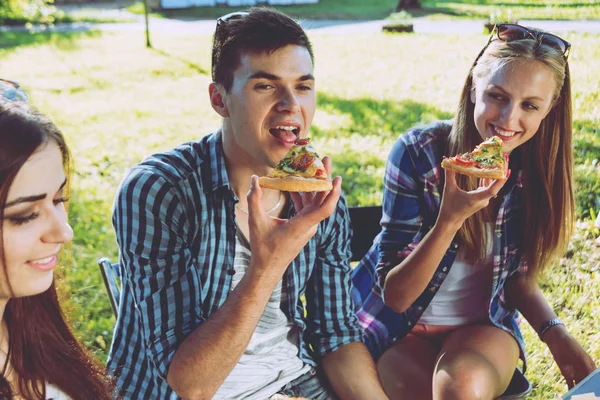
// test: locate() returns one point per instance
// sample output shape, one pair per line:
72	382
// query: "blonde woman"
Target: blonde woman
458	257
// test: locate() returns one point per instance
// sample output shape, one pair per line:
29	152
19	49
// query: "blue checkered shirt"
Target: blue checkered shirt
411	202
175	224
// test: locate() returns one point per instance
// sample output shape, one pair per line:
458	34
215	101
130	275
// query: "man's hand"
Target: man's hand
275	242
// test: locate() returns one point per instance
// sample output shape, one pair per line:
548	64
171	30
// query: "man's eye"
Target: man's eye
264	86
304	88
23	220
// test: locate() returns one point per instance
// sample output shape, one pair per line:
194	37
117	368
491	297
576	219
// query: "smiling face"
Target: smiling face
271	103
35	224
511	101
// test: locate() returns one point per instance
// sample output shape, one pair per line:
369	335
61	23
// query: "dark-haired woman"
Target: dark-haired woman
39	356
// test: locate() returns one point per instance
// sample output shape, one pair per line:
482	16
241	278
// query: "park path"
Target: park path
117	10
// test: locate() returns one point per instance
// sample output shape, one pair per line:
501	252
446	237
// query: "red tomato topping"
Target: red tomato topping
464	161
302	142
319	172
302	162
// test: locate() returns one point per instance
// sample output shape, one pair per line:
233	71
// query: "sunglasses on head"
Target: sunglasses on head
14	93
510	32
231	16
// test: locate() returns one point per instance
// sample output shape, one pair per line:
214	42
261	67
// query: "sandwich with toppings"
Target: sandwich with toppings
486	161
301	170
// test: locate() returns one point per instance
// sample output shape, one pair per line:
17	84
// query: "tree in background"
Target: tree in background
27	11
407	4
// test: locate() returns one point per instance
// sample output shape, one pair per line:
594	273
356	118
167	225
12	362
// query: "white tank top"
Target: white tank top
464	295
271	359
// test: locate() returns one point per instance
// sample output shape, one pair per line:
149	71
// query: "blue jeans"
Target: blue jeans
313	385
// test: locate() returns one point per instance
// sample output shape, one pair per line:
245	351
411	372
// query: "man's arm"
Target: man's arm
331	322
352	373
207	356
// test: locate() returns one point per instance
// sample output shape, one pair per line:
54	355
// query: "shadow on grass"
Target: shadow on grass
62	40
189	64
330	9
586	140
425	12
541	5
382	118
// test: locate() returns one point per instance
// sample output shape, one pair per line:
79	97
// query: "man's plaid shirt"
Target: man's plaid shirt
175	224
411	202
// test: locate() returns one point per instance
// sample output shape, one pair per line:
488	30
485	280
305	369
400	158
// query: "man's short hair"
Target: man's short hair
259	30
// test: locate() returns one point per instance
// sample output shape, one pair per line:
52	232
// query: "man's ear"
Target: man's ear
217	101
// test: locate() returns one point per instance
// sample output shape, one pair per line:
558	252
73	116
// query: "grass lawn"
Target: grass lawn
325	9
510	9
431	9
118	102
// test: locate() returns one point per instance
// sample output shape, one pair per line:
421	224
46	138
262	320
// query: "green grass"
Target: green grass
431	9
325	9
118	102
510	9
59	17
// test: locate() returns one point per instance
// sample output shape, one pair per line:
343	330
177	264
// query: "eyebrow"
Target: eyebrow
527	98
271	77
31	199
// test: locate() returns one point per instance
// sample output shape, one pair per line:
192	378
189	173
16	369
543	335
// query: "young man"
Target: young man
212	278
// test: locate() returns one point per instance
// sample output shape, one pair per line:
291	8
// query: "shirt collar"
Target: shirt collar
218	169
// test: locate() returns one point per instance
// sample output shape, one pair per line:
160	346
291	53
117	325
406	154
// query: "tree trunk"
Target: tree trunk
407	4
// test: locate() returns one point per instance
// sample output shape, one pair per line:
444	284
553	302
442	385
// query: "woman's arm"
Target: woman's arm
526	296
406	281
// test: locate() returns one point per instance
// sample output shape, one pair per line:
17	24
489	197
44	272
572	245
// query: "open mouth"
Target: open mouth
504	134
44	264
285	133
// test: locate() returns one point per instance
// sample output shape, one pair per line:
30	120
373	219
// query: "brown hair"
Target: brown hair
548	208
42	347
261	30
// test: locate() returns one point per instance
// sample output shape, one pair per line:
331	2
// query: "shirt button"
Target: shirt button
445	269
454	246
409	323
499	234
420	308
231	271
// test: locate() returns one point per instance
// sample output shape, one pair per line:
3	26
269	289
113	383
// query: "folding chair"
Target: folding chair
365	226
112	282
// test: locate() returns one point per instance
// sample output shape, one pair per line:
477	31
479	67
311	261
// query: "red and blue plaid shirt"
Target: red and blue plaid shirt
413	186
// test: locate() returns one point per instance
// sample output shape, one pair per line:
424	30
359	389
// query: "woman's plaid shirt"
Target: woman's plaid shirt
174	220
411	202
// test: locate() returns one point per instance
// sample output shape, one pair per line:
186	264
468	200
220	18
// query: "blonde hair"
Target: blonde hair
548	206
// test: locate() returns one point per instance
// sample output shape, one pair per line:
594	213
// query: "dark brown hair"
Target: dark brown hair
42	347
548	207
261	30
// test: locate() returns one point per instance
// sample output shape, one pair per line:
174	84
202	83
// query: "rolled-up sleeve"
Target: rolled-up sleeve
151	225
331	320
403	220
